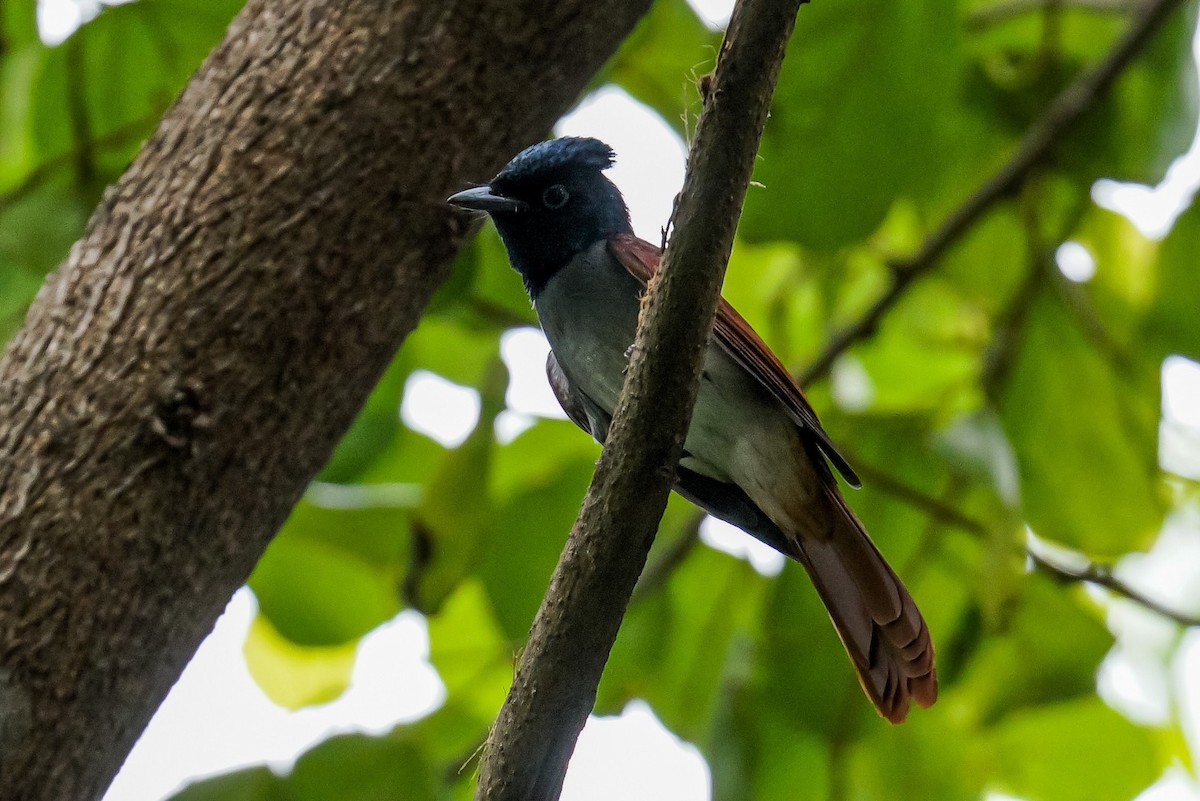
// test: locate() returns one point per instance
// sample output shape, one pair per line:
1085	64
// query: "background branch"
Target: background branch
659	572
573	633
1001	12
1063	113
1102	576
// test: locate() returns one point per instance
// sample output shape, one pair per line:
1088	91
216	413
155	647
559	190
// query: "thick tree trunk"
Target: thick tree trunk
193	363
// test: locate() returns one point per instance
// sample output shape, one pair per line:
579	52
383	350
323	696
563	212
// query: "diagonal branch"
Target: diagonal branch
1063	114
1002	12
38	176
1102	576
555	686
659	572
78	114
936	508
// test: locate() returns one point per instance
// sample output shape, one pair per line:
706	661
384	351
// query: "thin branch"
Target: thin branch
1011	322
1079	305
1091	572
77	113
1064	112
659	572
1102	576
39	175
937	509
990	16
573	633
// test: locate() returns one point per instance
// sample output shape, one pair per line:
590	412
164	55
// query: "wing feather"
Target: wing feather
739	340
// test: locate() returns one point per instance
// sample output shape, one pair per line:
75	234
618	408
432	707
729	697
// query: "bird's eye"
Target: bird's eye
555	197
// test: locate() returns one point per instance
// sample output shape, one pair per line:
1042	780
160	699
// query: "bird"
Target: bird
755	454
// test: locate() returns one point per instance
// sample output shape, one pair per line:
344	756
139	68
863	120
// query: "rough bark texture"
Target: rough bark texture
555	688
192	364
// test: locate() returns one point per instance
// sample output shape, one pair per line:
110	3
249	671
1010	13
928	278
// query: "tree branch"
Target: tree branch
936	508
1102	576
1001	12
78	114
190	367
659	572
1090	572
555	686
1063	113
39	175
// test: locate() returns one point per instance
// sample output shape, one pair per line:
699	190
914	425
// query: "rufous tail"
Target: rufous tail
874	615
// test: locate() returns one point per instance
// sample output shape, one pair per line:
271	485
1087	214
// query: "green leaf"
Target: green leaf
538	457
927	757
296	676
854	121
987	265
1171	319
376	427
120	72
469	651
1148	118
39	228
1076	751
662	59
318	595
675	646
926	355
483	292
448	527
453	351
755	753
20	71
523	543
1086	438
803	669
1047	650
252	784
356	767
18	23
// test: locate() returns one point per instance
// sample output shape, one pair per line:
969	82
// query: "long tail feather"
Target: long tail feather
874	615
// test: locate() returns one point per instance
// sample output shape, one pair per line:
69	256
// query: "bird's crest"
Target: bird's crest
558	155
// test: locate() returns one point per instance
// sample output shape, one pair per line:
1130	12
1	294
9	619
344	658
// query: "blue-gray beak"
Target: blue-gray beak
482	198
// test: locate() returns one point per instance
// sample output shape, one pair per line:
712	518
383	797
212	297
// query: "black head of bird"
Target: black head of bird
551	202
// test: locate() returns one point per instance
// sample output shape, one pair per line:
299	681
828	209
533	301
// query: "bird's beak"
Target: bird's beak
482	198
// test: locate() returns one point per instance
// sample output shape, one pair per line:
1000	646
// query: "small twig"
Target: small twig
1102	576
77	112
990	16
935	508
1063	113
1079	305
659	572
493	314
39	175
1011	322
1091	573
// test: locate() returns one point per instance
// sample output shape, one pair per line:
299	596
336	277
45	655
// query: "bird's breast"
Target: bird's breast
589	312
739	431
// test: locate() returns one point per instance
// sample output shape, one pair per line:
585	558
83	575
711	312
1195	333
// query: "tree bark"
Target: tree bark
193	363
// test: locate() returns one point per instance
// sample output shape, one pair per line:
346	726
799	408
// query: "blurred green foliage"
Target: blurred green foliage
999	395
